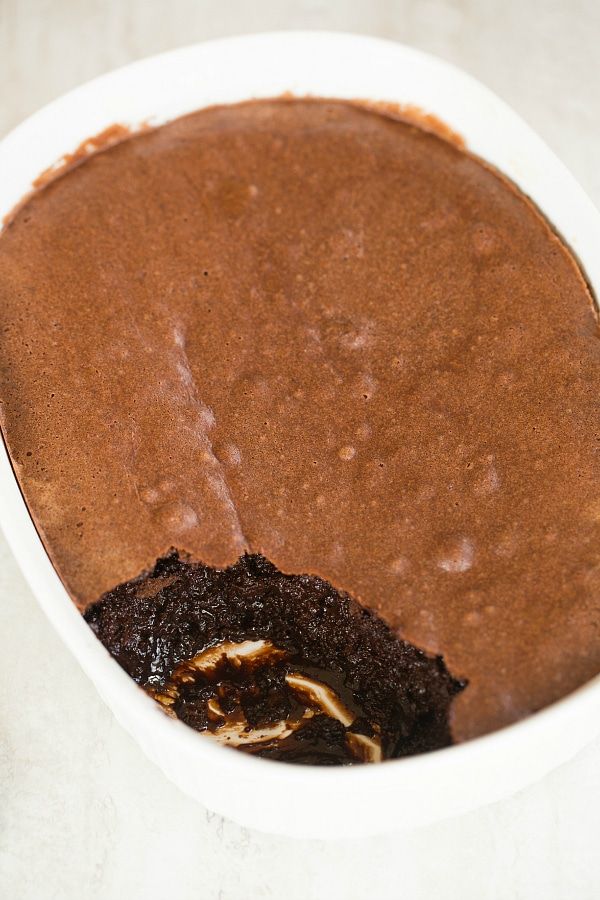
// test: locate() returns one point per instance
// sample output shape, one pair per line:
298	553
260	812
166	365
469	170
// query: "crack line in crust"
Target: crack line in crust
218	482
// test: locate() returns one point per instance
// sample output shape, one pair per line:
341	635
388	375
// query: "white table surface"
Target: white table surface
83	814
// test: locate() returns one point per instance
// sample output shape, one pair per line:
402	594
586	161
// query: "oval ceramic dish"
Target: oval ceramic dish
301	800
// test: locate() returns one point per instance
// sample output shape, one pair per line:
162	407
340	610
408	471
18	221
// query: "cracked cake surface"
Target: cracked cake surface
310	331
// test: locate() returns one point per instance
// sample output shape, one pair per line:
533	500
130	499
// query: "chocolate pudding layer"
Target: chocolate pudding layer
312	332
282	666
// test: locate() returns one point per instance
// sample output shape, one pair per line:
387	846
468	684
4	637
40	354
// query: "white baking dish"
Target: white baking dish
267	795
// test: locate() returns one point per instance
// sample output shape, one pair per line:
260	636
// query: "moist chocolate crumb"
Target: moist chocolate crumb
161	621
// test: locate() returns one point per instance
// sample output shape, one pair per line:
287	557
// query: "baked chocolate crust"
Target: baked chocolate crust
309	331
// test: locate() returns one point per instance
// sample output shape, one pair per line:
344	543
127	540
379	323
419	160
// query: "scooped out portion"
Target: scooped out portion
280	666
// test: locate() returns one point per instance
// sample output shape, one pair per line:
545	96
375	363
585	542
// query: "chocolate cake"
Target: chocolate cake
303	399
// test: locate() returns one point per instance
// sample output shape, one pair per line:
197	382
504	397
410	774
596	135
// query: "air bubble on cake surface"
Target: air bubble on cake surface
399	566
176	516
347	452
456	554
228	454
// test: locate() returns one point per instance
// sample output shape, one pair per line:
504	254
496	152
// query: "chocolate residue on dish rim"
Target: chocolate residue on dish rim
106	138
117	132
415	115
